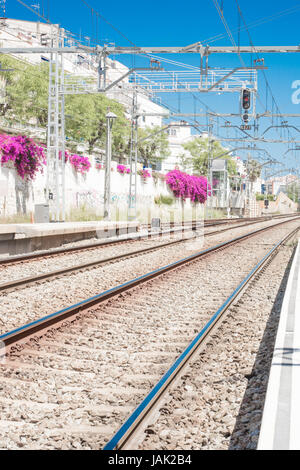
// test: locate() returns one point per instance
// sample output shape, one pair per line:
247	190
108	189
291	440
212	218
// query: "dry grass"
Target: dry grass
165	212
15	219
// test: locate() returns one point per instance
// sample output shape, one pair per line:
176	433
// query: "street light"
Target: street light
110	117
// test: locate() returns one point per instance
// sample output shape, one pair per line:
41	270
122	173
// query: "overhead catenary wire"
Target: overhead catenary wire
221	14
123	35
254	24
268	88
133	44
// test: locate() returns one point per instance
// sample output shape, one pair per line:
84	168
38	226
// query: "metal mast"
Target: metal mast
55	185
133	158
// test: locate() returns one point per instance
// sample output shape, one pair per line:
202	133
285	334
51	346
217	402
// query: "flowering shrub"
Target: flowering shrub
80	164
122	169
184	186
26	156
144	174
99	166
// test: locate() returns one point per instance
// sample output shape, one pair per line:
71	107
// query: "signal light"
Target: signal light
246	99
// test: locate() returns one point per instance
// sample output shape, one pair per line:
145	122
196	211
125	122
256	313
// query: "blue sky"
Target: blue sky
171	23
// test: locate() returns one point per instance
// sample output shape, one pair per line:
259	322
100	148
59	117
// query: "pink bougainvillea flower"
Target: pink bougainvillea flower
188	186
26	155
123	169
80	164
145	174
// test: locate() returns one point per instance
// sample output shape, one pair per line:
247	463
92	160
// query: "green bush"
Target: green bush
261	197
161	199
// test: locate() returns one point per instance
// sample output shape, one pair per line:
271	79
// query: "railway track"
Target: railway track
209	222
42	325
131	433
84	376
11	285
179	228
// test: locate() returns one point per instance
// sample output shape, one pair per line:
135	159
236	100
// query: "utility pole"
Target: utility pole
110	117
209	173
133	159
55	183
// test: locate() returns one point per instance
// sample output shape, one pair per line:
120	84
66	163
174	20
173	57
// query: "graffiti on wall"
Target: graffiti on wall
90	198
94	199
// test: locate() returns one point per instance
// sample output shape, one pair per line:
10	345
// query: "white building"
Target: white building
177	136
280	183
240	166
19	33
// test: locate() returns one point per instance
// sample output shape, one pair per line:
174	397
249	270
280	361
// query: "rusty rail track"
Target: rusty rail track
39	327
25	282
193	225
130	434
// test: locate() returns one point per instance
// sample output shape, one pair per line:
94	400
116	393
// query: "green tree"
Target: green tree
86	121
184	160
201	150
153	149
26	91
26	99
253	169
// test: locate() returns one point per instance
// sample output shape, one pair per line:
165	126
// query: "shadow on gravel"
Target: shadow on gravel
246	431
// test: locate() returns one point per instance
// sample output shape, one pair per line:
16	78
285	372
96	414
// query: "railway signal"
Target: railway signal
246	99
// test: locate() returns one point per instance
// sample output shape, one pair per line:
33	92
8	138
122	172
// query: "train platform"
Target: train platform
280	429
25	238
7	232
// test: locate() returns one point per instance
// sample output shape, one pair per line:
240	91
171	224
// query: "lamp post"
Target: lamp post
110	117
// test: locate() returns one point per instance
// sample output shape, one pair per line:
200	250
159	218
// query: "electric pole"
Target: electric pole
110	117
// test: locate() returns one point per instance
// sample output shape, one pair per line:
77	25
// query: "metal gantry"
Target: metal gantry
214	80
55	183
207	80
133	158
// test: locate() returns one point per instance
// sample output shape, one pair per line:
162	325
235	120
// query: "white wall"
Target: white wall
87	190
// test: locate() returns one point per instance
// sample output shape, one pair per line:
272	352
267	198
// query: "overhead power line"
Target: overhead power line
221	14
254	24
107	22
268	87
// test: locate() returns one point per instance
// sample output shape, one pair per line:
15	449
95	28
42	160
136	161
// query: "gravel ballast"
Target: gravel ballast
27	304
218	402
75	387
37	266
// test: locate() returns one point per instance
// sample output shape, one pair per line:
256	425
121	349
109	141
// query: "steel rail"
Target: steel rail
216	222
7	286
134	422
46	253
27	281
207	222
91	246
39	327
